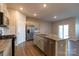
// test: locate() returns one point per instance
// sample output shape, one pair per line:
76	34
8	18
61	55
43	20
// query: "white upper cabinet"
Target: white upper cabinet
3	8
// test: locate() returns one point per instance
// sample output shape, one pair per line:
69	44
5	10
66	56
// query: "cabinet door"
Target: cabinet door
38	41
46	46
42	43
61	48
3	9
51	48
35	40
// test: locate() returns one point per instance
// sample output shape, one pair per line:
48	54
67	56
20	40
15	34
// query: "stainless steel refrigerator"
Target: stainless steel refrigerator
30	32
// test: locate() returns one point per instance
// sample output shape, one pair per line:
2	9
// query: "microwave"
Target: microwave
3	22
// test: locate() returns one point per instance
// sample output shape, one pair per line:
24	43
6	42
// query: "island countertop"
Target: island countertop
49	36
52	37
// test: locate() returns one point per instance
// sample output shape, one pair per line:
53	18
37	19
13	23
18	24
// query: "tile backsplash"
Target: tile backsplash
1	31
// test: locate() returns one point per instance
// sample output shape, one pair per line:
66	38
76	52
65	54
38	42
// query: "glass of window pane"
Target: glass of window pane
61	31
66	28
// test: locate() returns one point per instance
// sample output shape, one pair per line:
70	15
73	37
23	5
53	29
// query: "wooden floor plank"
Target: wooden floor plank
28	49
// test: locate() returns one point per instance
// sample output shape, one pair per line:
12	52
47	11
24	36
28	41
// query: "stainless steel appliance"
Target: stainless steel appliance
30	32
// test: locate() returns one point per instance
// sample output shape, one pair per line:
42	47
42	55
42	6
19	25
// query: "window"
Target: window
64	31
60	31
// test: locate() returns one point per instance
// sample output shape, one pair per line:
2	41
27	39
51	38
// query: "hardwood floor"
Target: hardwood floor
28	49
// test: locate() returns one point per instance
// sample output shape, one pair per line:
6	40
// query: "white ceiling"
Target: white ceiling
61	10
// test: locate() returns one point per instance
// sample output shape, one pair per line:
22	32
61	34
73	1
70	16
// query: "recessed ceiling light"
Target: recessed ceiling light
35	14
21	8
55	17
44	5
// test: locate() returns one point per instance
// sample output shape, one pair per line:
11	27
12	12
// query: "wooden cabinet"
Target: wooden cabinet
49	47
45	44
61	48
39	42
35	39
3	9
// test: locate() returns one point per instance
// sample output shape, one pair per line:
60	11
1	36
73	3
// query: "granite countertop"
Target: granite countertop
7	36
52	37
49	36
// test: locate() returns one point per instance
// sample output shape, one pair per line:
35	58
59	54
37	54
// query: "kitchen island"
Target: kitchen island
51	45
45	44
7	45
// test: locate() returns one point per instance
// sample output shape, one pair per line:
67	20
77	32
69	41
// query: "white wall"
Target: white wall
20	20
17	25
43	26
70	21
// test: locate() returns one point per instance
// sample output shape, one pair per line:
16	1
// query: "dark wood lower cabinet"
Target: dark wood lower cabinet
49	47
46	46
